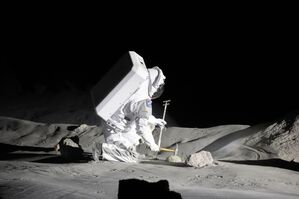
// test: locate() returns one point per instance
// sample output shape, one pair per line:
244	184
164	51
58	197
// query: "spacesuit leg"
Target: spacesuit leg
117	147
115	152
112	152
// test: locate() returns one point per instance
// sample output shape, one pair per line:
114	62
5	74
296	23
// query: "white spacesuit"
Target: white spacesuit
132	123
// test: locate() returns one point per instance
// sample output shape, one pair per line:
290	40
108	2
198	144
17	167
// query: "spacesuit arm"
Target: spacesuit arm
143	127
156	121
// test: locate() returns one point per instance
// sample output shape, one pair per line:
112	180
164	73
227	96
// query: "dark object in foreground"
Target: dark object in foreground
134	188
70	149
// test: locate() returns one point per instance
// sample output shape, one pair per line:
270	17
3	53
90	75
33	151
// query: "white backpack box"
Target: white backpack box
120	82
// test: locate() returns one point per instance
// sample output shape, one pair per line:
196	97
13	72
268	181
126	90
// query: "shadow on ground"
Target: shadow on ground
37	154
268	162
7	148
163	162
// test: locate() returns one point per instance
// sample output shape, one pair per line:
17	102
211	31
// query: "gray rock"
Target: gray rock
174	158
70	149
201	159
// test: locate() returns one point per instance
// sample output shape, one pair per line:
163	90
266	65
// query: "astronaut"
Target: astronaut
132	123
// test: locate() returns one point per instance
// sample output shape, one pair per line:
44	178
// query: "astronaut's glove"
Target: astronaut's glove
154	147
160	122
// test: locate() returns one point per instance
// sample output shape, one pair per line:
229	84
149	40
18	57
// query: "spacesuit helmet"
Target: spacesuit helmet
157	82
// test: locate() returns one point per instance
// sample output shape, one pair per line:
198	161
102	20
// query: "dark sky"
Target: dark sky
219	70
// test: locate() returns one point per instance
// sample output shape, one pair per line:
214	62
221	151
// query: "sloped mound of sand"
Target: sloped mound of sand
264	141
26	133
226	142
192	140
280	139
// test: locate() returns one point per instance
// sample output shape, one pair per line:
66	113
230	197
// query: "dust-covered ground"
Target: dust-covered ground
250	162
22	179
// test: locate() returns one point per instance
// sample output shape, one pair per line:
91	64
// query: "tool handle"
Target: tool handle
160	136
167	150
161	129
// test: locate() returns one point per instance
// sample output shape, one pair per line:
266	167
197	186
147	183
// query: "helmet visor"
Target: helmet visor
159	92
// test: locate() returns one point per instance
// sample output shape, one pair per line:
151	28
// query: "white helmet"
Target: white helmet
157	80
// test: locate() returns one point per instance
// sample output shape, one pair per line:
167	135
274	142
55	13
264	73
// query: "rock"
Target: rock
70	149
174	158
81	129
200	159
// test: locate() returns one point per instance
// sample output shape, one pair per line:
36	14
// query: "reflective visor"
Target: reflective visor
159	92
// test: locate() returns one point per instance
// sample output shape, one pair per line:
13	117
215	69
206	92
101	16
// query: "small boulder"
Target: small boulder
174	158
70	148
201	159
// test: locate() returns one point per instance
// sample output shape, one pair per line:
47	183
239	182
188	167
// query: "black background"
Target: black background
221	67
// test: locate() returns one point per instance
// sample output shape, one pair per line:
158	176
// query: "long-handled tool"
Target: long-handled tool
174	157
167	150
175	151
165	104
